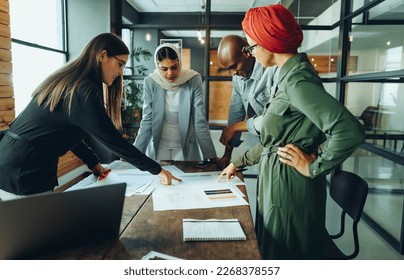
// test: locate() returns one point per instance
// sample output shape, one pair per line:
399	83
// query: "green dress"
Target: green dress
291	206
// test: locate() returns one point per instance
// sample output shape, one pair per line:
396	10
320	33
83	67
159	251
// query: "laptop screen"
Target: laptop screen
43	224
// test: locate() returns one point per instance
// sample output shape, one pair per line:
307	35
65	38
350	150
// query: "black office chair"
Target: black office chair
349	191
369	118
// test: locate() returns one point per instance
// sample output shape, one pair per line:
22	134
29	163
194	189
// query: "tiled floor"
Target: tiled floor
383	204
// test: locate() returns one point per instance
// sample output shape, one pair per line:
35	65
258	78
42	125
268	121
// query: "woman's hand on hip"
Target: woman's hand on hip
293	156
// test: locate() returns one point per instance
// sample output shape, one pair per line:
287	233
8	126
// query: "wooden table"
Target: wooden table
144	230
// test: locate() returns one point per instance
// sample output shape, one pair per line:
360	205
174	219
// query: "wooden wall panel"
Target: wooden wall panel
7	104
6	91
6	117
6	80
219	92
186	58
7	113
4	6
328	64
4	16
67	163
5	67
324	63
5	43
5	30
219	101
215	68
5	55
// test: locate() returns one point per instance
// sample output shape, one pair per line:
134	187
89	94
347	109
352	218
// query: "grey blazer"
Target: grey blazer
194	128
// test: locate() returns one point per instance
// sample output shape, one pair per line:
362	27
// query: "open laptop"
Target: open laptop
34	226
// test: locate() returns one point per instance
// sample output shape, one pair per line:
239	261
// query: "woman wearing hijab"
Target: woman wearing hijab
292	171
174	126
81	98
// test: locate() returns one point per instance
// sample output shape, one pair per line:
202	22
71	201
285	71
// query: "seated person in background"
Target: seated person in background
252	89
173	125
68	105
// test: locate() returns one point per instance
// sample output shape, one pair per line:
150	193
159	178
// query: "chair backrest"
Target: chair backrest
349	191
369	117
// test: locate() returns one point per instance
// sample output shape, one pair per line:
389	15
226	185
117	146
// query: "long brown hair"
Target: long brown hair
64	82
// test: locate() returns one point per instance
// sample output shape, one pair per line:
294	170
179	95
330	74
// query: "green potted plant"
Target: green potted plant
132	101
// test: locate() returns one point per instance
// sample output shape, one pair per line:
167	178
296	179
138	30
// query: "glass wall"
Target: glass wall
383	98
375	50
48	18
29	70
368	42
322	48
373	92
327	13
386	189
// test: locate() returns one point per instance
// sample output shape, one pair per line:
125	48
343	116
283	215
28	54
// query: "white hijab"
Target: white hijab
184	76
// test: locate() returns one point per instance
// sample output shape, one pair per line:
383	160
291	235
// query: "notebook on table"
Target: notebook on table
38	225
212	230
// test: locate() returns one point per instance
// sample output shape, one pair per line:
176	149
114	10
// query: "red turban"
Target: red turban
273	27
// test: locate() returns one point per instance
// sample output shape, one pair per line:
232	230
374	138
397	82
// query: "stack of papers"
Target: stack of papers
138	182
197	190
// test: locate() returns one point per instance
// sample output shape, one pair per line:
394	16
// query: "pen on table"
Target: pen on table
102	176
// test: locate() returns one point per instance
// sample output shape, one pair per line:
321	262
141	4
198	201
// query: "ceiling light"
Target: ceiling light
148	37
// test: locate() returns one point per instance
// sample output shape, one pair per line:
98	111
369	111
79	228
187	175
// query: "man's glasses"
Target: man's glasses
122	63
250	49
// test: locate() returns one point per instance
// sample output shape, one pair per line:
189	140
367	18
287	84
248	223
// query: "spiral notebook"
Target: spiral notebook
212	230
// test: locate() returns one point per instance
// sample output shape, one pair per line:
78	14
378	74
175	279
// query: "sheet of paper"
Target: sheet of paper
120	164
209	178
138	182
196	194
143	183
212	175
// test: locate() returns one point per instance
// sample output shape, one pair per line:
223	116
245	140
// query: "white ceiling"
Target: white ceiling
390	9
193	33
163	6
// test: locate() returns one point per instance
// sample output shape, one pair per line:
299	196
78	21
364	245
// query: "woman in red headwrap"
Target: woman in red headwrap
292	172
